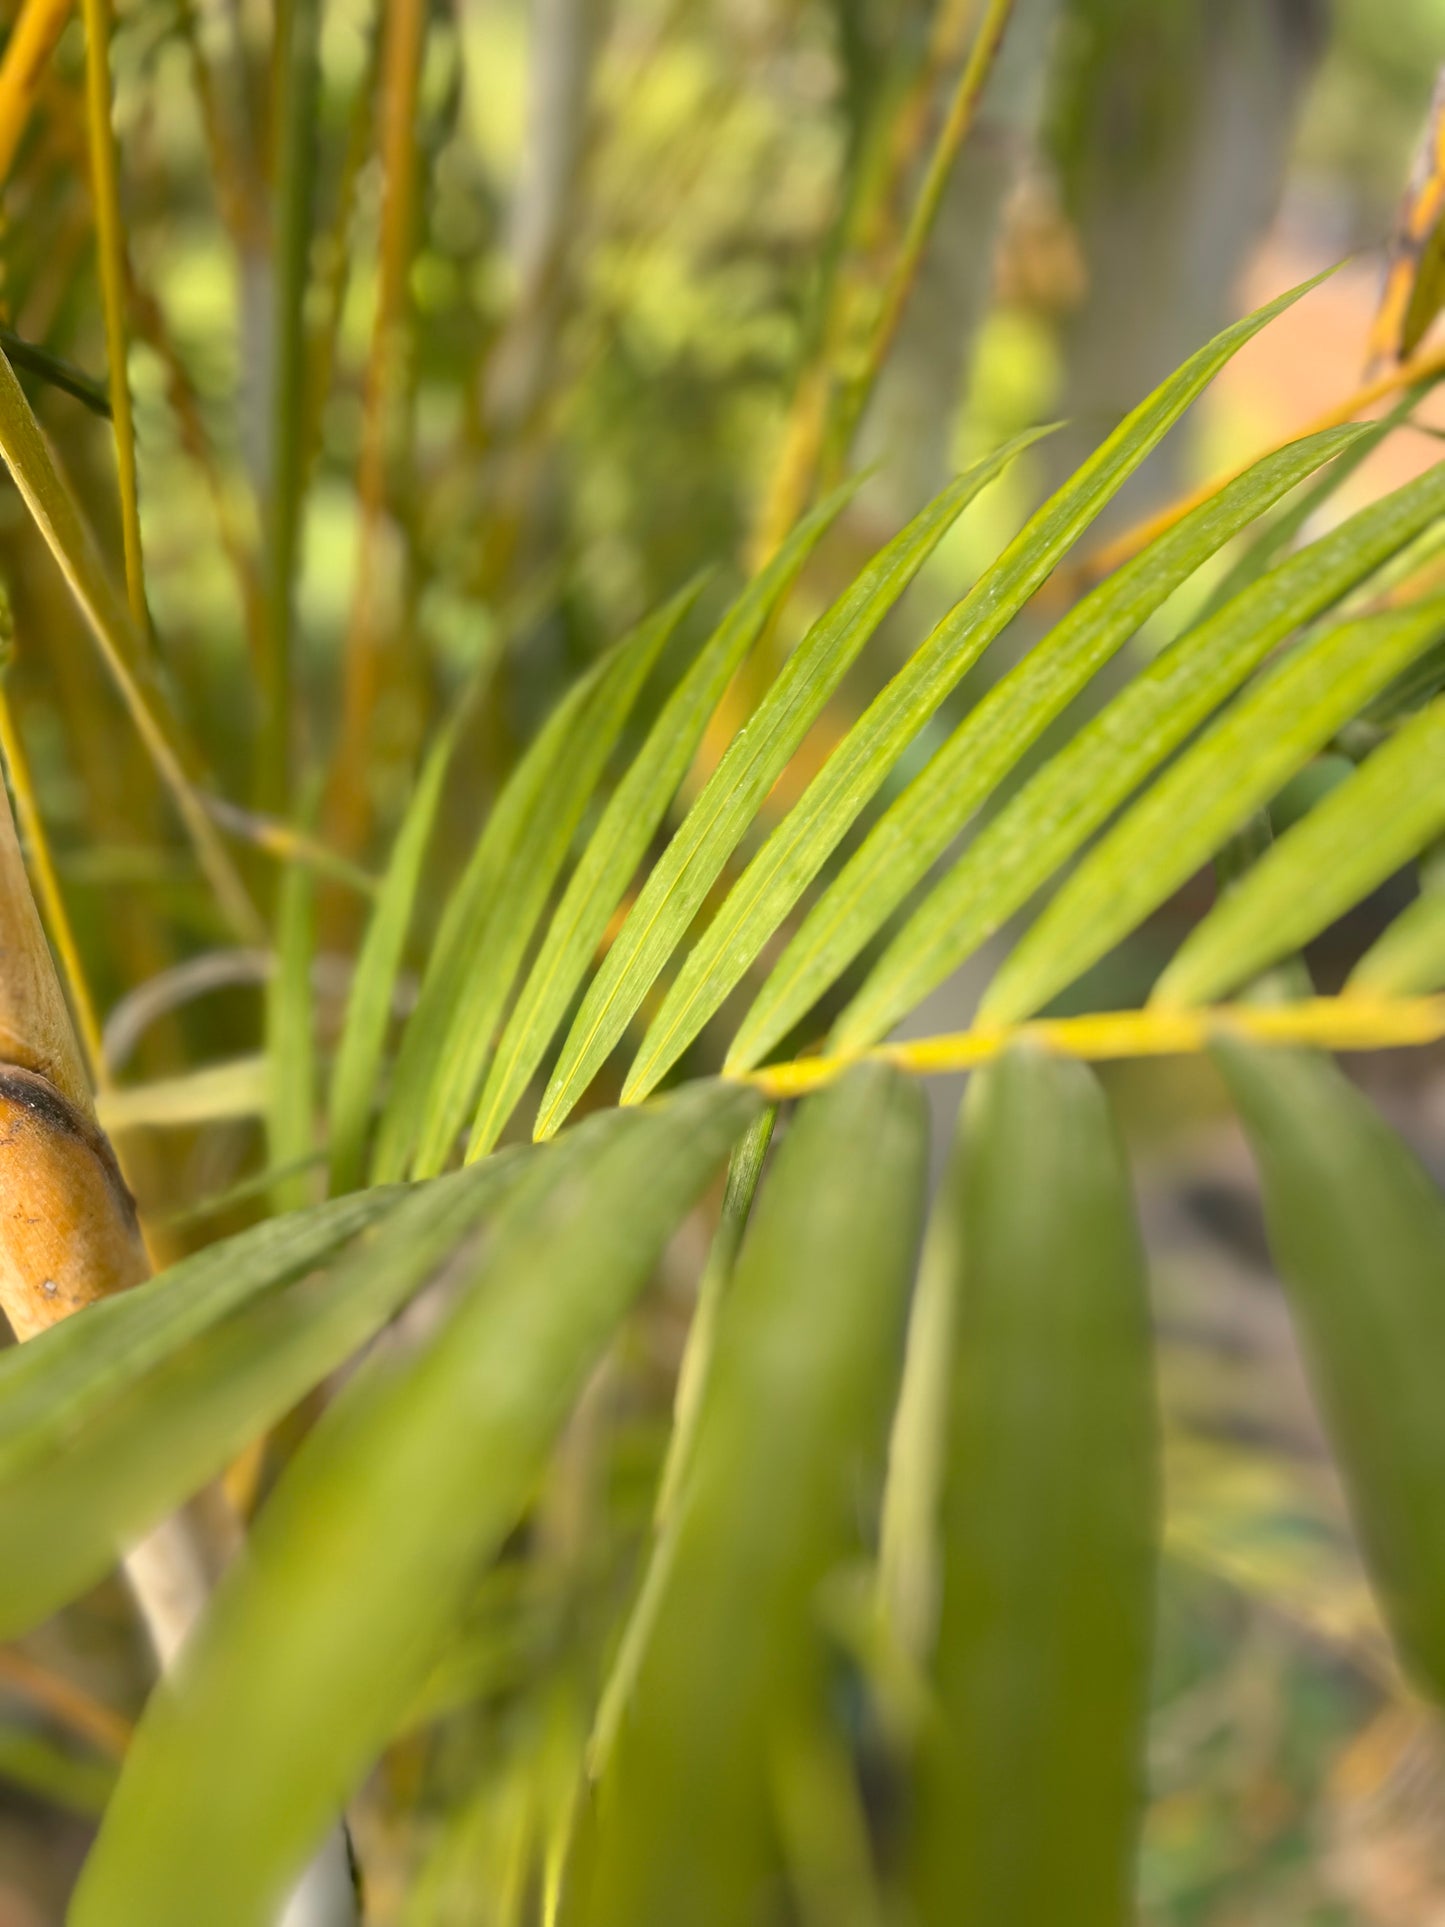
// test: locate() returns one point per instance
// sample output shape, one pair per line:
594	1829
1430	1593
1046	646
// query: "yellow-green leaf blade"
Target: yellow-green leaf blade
1244	759
797	849
475	992
800	846
717	821
628	824
915	831
1360	834
1031	1785
463	926
1080	787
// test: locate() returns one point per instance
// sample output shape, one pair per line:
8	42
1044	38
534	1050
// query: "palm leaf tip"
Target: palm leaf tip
678	883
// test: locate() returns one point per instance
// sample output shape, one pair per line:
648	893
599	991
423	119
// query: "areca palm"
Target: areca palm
910	1506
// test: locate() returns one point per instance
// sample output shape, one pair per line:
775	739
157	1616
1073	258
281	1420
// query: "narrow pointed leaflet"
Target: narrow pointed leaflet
628	824
800	846
1235	768
916	830
1085	782
752	763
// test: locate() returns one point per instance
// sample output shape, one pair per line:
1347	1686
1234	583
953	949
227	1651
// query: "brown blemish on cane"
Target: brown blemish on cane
68	1228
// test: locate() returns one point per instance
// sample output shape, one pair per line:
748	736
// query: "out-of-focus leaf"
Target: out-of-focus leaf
57	516
751	764
297	80
237	1088
915	831
786	1454
50	1772
147	1444
1278	535
1273	730
316	1643
1361	833
1358	1232
54	1386
290	1037
1031	1786
628	825
1408	959
1080	786
1415	279
368	1008
909	1553
745	1168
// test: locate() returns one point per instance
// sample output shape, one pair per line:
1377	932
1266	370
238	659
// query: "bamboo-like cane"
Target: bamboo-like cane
69	1236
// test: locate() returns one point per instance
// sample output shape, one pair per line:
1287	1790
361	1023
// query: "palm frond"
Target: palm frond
984	1584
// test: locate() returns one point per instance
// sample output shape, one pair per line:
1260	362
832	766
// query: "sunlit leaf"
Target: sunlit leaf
316	1643
1273	730
916	830
492	913
1032	1781
752	763
475	990
1084	782
628	824
1358	1232
787	1452
800	845
1348	845
798	848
